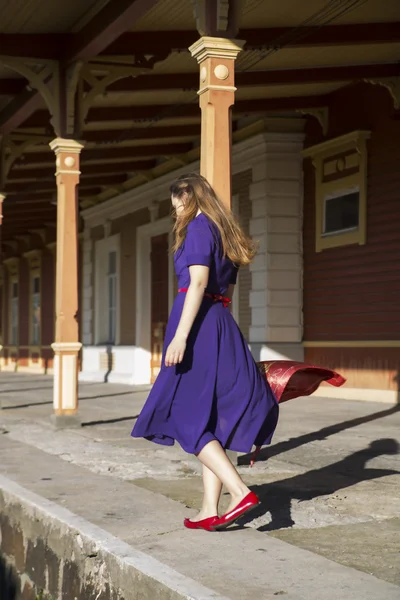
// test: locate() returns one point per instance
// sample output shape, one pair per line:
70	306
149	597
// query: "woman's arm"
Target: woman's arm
194	296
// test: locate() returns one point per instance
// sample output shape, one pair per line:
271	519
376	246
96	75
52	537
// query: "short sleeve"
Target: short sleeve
199	243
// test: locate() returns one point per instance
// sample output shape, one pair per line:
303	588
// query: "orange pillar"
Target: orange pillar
66	346
2	198
216	57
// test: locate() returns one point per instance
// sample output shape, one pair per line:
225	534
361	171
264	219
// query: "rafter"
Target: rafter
190	81
10	87
143	112
115	18
166	133
125	154
66	46
39	186
87	172
331	35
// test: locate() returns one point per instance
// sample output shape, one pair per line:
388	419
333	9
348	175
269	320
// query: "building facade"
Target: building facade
292	114
324	286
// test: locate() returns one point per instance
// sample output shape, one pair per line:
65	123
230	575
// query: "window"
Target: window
35	336
107	291
341	212
112	296
340	190
14	313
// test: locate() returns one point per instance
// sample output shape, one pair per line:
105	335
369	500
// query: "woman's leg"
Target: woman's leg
212	492
215	459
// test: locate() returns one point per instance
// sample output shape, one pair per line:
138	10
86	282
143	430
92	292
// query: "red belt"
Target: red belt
215	297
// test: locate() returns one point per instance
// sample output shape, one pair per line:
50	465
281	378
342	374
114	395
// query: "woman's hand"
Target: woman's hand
175	351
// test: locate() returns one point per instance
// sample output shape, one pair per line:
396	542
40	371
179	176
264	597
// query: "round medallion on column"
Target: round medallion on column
69	161
221	72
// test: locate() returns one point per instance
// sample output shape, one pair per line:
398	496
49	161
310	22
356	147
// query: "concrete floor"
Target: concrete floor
329	483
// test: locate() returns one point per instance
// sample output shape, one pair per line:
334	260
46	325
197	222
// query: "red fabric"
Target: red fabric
289	379
216	297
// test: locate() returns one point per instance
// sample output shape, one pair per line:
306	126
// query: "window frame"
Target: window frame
14	342
103	248
32	340
340	164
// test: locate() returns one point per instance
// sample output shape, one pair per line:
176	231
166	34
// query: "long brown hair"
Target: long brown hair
197	194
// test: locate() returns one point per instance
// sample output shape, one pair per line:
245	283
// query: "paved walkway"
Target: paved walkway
328	526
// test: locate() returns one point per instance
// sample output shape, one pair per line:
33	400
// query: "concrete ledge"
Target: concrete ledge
54	550
359	394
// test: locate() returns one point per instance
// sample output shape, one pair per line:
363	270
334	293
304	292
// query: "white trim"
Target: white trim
102	248
236	295
142	370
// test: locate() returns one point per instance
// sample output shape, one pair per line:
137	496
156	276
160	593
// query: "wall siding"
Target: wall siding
353	292
127	227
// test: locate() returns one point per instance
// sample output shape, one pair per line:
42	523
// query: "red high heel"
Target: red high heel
247	504
203	524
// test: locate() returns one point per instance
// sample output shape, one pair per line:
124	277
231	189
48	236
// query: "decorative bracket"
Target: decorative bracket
321	114
51	82
392	84
99	76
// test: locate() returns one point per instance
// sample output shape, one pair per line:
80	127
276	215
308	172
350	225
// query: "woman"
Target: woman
209	395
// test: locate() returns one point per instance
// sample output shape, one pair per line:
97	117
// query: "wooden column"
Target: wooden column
3	325
66	346
216	57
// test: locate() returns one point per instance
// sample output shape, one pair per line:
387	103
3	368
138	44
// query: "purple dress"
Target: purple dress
217	392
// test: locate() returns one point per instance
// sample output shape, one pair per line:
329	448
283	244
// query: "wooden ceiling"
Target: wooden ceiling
296	55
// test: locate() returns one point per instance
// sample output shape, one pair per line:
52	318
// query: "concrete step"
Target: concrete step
109	539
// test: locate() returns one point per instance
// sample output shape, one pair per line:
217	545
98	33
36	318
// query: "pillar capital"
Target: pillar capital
213	47
2	198
67	156
59	145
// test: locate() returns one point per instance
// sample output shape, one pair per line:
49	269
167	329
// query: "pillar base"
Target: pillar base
65	368
65	421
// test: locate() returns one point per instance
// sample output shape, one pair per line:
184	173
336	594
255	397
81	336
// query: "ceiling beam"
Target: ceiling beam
44	185
149	111
88	171
67	46
10	87
116	17
330	35
165	133
190	81
103	154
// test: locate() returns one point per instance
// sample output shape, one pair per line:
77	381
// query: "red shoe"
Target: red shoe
248	503
203	524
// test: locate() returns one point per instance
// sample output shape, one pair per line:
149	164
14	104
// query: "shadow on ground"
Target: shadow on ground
276	498
48	402
321	434
8	581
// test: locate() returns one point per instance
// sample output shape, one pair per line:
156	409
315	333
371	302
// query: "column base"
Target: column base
65	421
